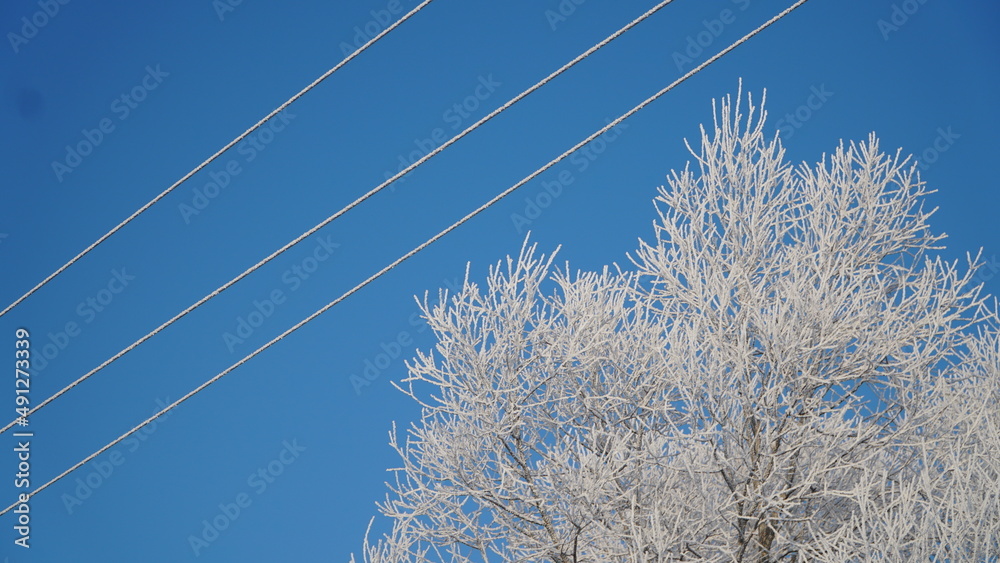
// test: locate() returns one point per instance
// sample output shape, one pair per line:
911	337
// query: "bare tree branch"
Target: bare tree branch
790	373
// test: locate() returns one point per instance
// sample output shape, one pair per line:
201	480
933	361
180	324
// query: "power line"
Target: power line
409	254
219	153
344	210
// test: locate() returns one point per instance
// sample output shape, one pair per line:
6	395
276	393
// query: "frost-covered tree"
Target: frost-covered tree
788	373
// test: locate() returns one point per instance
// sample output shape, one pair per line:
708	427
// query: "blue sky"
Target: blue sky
156	88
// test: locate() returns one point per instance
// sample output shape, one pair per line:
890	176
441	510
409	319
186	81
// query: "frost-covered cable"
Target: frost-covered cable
219	153
344	210
409	254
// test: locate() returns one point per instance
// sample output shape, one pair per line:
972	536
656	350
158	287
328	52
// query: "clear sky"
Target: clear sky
150	89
